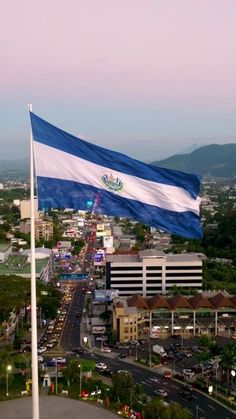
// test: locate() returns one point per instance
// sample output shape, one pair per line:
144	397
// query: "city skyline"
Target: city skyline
147	79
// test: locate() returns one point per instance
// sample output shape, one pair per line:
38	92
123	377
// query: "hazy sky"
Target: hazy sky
145	77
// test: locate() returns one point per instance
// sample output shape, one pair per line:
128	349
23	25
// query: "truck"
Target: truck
159	350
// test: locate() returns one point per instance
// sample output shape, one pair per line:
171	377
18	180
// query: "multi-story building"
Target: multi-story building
43	229
160	317
151	272
25	208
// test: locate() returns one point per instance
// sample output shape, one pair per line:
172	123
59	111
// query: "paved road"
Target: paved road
71	333
206	407
53	408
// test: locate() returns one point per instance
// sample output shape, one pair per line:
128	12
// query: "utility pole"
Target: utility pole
56	378
150	354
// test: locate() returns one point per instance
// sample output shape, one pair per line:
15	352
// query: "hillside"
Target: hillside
14	169
216	160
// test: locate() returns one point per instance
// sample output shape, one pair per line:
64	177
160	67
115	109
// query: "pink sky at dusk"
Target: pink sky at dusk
163	55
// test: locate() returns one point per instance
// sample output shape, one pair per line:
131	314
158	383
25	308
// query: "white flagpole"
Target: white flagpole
34	340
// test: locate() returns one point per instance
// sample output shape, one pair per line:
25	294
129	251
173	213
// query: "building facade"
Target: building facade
43	229
160	317
152	272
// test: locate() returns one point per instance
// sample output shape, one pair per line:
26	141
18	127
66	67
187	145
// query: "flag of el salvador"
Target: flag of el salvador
73	173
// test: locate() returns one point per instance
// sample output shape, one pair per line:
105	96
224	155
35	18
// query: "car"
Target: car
155	380
188	373
120	356
123	346
168	374
160	392
42	349
101	366
134	342
107	373
59	360
106	349
101	338
40	359
178	355
196	368
78	350
188	354
186	395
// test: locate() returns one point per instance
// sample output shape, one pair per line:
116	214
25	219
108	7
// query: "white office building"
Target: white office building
152	272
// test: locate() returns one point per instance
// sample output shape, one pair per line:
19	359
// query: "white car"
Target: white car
106	349
40	358
188	373
42	349
160	392
59	360
101	366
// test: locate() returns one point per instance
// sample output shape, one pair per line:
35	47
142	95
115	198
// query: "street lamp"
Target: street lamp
8	370
80	381
210	390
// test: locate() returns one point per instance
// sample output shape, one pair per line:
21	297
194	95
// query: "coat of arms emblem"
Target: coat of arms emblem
113	183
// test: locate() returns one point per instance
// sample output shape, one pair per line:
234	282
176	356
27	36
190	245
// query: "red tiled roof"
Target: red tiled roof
179	301
220	300
199	301
157	301
137	301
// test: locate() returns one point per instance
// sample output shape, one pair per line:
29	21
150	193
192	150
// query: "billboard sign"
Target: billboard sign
103	296
72	277
108	241
64	245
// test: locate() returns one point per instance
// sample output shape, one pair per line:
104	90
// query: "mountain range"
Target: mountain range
214	160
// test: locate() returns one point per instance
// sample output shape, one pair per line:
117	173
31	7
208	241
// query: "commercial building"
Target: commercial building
151	272
43	229
160	317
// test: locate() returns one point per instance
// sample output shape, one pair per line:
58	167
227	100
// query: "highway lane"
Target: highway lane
71	332
202	405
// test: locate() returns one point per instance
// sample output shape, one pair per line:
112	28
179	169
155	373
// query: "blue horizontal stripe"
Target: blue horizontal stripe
69	194
48	134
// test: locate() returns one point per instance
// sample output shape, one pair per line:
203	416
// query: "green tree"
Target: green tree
228	359
156	409
123	386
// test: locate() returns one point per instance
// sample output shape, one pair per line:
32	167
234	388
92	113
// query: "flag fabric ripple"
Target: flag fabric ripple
73	173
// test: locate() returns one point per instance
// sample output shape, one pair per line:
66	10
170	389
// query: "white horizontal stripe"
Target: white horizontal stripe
58	164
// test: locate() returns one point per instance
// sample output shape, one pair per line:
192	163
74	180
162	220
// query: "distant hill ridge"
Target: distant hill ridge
215	160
